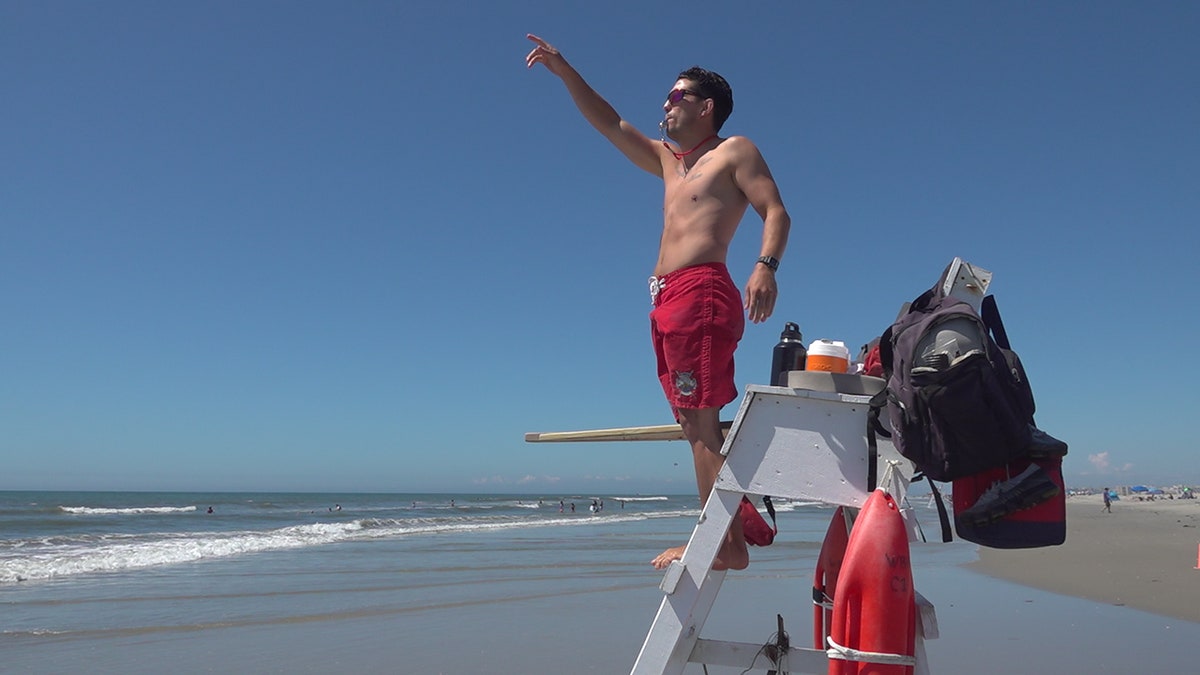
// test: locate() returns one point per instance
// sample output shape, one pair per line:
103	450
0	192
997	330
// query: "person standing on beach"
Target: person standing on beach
1107	501
697	318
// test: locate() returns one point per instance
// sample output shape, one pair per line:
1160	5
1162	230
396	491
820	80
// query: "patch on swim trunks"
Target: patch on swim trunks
685	383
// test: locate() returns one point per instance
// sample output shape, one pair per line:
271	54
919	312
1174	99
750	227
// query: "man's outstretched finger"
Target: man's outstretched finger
541	43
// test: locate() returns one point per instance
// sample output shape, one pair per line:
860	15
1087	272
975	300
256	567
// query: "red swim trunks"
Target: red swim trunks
696	323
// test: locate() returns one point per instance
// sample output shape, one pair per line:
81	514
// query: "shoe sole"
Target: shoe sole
1029	501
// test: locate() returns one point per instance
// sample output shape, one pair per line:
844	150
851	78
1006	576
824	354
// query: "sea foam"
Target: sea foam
133	511
88	555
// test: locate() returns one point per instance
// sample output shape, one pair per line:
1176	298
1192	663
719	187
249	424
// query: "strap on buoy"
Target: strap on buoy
841	653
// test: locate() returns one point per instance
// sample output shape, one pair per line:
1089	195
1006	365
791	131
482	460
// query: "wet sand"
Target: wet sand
1141	555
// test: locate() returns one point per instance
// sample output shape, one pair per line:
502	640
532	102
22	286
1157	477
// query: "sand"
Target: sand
1141	555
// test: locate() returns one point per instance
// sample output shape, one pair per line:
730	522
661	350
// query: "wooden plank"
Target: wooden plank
657	432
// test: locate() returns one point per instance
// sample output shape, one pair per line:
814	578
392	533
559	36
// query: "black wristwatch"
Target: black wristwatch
769	261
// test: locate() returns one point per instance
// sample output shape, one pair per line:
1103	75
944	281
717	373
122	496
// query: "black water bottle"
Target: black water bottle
789	354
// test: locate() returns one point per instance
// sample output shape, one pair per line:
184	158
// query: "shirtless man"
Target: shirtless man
697	320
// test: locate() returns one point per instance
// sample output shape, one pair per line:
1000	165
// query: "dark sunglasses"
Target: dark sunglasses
676	95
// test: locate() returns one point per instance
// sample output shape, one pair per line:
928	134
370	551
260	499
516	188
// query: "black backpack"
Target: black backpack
957	396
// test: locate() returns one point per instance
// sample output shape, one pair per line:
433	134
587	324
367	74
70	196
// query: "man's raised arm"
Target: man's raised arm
640	150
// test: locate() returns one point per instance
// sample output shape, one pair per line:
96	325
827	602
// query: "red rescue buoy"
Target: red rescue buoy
874	607
829	563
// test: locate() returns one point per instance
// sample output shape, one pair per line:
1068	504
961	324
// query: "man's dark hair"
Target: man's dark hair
712	85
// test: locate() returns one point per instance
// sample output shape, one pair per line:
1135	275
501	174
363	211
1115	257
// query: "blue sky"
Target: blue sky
358	246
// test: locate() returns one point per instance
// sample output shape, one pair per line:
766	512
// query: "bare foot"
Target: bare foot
667	557
727	559
732	557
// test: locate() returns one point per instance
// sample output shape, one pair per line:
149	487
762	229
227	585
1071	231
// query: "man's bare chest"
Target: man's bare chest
707	180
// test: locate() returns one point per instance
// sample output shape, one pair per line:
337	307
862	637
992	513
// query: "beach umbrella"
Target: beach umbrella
1157	491
1139	488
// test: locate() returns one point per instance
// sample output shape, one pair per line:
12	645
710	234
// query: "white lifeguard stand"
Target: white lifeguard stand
806	441
786	442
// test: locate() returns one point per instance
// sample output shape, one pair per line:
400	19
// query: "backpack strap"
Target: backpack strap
990	314
947	534
771	512
875	428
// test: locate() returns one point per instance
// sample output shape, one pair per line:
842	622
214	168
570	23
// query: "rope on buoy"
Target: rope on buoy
841	653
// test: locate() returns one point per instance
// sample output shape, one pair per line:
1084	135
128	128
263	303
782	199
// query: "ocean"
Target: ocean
62	536
421	583
109	575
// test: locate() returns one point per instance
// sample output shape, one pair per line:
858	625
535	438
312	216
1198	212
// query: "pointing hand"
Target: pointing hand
545	54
